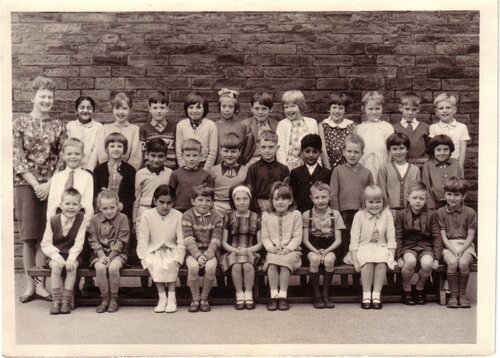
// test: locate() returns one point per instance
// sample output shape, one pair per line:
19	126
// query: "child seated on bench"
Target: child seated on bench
62	243
418	243
109	235
160	246
321	236
457	224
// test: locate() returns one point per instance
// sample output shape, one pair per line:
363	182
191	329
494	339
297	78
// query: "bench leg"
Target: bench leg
442	291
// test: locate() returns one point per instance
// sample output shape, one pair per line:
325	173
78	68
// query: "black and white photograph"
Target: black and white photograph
249	179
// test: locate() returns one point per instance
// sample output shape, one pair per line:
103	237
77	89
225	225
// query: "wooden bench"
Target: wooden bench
224	292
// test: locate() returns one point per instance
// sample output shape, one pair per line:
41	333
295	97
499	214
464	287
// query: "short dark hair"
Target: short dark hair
311	140
163	189
202	190
455	185
231	141
84	98
440	139
339	99
195	98
116	137
156	145
262	97
397	138
158	97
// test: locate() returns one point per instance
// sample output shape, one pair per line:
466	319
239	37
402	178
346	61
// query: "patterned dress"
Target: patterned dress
299	131
334	140
242	232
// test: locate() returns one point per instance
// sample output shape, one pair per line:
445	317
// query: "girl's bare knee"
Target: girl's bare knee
247	267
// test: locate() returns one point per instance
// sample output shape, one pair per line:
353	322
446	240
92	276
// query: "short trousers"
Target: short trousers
418	253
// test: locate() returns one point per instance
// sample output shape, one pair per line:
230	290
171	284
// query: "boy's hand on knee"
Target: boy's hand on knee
401	262
435	264
202	260
104	260
71	265
60	263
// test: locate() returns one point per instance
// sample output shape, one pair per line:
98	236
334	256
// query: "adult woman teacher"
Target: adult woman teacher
37	142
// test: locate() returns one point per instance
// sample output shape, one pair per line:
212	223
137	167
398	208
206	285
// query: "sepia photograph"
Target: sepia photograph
249	179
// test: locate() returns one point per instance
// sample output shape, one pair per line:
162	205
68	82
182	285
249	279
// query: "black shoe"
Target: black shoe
272	305
328	302
239	305
421	300
249	304
407	298
366	304
318	302
283	304
376	304
194	307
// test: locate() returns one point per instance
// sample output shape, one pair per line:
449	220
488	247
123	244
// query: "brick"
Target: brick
233	82
440	72
109	83
414	49
367	71
398	84
95	71
98	17
367	38
158	82
62	71
40	17
472	72
66	95
110	38
435	60
461	84
161	71
365	60
268	38
98	95
62	27
122	48
114	60
276	48
245	71
315	17
135	17
204	38
27	71
165	38
469	96
147	60
469	107
44	60
43	38
366	83
379	49
320	71
339	60
279	83
472	49
81	83
432	38
182	49
192	59
205	71
390	60
469	60
202	83
351	49
423	84
332	83
28	49
83	38
128	71
16	37
466	38
261	60
293	60
282	71
153	28
230	60
23	107
60	49
414	71
224	48
450	49
256	18
329	48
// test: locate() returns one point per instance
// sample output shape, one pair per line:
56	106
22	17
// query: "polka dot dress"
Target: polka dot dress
334	142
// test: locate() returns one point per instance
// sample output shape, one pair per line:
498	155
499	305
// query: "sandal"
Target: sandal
239	305
376	304
366	304
249	304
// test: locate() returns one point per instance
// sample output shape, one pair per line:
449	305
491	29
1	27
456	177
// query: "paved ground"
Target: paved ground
347	323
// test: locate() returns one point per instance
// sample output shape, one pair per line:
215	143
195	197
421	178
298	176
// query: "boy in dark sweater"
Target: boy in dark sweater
262	174
62	243
303	177
184	179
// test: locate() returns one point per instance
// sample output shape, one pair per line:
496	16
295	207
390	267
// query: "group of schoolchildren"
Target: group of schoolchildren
259	193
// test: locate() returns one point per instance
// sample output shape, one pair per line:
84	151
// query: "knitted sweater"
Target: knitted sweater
202	233
182	182
148	132
146	183
206	133
347	185
395	186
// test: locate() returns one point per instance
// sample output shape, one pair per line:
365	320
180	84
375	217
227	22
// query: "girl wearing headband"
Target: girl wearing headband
241	240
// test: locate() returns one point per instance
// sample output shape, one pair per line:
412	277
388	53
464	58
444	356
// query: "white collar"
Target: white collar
201	215
453	123
65	220
86	125
345	122
311	168
405	123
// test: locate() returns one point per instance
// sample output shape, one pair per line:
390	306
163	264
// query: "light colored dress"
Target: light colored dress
374	135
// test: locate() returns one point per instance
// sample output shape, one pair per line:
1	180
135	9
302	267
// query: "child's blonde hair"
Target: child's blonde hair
295	97
191	144
284	191
121	99
409	98
71	192
229	93
320	186
373	192
355	139
445	96
73	142
42	83
109	194
268	135
375	96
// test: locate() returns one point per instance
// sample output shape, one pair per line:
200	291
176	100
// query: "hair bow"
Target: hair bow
228	92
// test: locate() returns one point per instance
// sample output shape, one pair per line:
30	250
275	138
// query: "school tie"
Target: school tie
159	127
410	126
70	180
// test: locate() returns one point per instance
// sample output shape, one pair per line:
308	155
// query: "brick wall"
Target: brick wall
317	52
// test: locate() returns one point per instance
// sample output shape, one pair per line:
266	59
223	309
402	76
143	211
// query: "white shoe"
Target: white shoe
171	306
162	304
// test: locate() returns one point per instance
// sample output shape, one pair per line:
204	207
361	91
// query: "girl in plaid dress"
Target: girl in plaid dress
241	240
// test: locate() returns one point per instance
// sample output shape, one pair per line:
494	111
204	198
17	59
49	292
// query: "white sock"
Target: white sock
367	295
162	296
376	295
282	294
239	296
171	296
274	293
248	295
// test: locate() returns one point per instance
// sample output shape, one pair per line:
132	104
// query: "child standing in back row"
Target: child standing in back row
334	130
374	132
293	128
